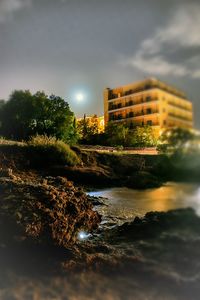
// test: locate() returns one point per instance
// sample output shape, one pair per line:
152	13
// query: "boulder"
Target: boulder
143	180
47	210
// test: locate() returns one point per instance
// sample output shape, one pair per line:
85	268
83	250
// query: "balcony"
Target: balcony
133	124
132	115
178	117
144	113
185	108
130	103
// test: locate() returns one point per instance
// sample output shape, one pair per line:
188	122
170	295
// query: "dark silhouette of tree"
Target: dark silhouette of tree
25	115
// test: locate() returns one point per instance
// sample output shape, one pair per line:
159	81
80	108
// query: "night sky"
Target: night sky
67	47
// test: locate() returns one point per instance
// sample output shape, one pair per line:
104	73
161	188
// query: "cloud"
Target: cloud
8	7
158	65
180	34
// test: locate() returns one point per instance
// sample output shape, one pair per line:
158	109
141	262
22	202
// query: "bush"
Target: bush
119	148
48	150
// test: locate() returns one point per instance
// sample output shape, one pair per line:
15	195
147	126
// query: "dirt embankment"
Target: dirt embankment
107	169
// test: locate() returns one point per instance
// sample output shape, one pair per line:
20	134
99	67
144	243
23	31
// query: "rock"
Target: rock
88	176
143	180
50	211
153	224
137	220
98	201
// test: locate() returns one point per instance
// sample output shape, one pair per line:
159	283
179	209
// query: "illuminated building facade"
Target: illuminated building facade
149	102
94	119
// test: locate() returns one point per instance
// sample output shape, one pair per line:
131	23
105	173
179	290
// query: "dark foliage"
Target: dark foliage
25	115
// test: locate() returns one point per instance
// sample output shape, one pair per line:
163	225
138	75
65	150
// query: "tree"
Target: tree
142	136
116	134
87	128
175	140
17	115
119	134
2	102
25	115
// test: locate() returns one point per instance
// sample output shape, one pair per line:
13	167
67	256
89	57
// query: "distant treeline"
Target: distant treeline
26	115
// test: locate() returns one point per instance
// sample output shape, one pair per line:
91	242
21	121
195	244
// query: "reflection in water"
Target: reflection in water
124	203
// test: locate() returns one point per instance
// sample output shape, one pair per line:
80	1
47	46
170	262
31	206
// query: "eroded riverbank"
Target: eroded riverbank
153	257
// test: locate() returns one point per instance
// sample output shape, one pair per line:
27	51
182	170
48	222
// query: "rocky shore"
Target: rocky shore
42	255
155	257
47	209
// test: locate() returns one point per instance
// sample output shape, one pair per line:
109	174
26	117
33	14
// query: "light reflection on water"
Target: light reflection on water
124	203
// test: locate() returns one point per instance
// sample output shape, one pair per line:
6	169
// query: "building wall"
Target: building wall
94	119
150	102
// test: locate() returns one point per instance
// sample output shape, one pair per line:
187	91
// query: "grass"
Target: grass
52	150
41	151
4	142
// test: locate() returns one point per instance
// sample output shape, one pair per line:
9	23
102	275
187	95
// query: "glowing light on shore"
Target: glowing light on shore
83	235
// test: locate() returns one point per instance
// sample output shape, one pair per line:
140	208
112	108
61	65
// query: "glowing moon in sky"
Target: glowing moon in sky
79	97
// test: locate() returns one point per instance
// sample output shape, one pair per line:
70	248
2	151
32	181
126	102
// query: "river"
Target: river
123	204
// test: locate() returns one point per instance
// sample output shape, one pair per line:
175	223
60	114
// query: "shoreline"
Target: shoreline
123	261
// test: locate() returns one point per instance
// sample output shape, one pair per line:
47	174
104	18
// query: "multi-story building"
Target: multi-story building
149	102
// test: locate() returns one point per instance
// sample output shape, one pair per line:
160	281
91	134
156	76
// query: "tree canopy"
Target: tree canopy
87	128
26	114
176	140
120	135
116	134
142	136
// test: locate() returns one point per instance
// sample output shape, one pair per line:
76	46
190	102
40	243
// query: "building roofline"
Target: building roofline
151	80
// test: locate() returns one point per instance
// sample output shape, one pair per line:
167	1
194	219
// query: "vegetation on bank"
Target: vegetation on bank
105	169
41	151
51	151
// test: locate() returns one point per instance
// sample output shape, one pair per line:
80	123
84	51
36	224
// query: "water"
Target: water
123	204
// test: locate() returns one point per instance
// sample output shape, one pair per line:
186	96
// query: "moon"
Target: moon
79	97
